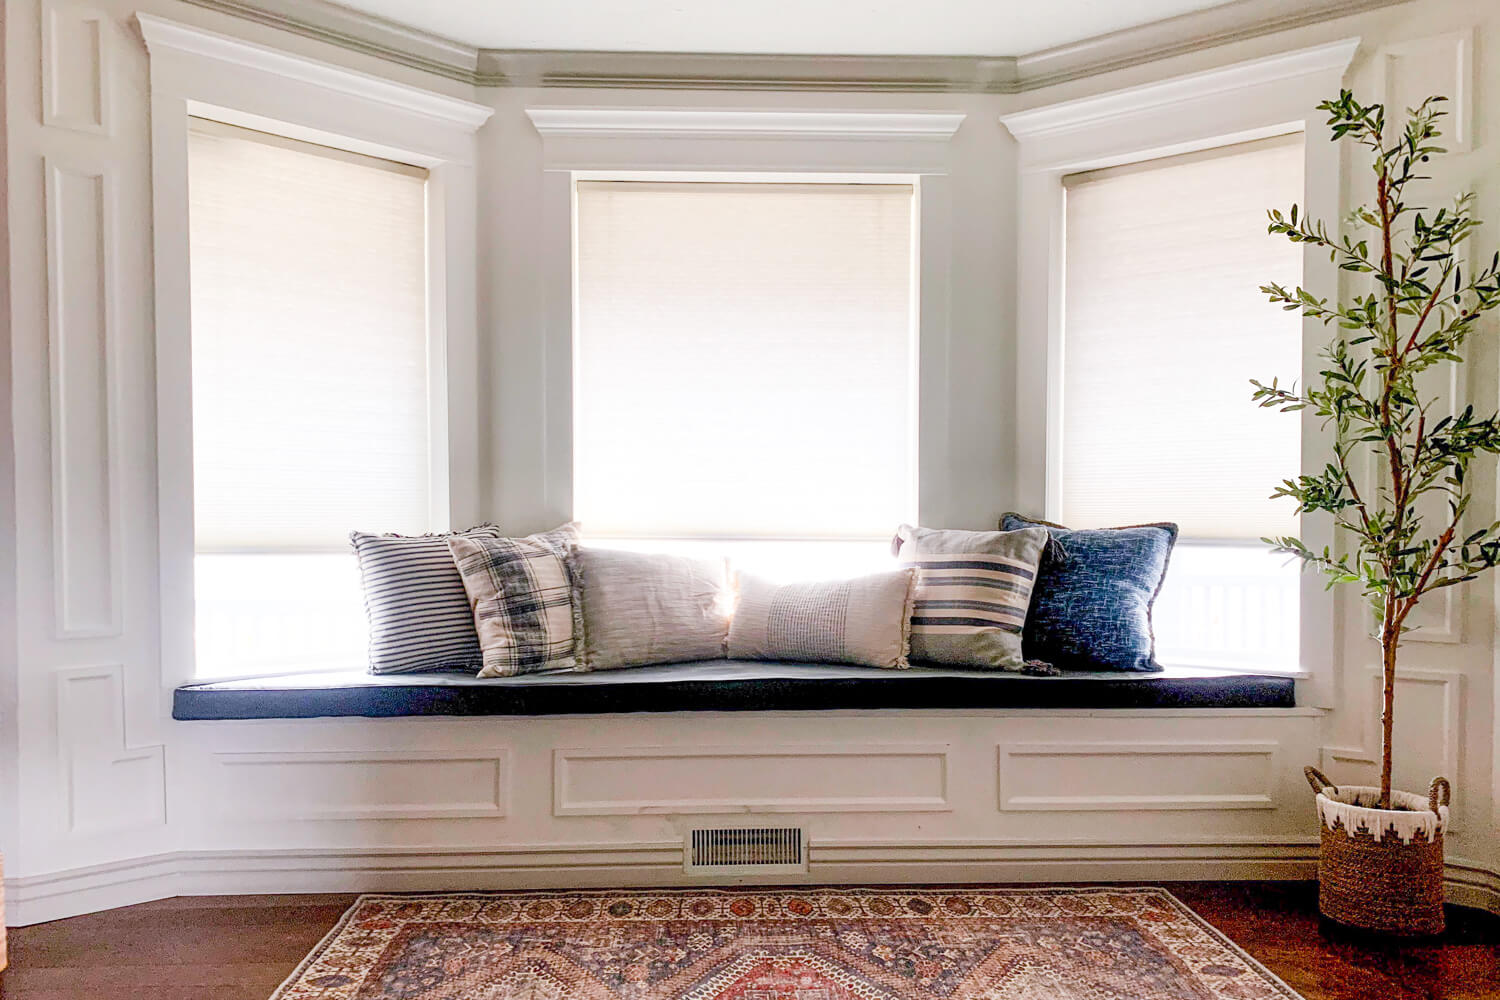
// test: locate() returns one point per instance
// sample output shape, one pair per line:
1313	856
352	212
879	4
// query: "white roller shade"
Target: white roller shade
1164	326
744	363
309	335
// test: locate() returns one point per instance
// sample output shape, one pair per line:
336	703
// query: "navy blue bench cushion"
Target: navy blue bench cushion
716	686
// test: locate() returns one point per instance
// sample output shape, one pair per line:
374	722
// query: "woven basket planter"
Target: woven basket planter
1381	869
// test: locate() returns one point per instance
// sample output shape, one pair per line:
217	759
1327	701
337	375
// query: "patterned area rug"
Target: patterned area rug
817	944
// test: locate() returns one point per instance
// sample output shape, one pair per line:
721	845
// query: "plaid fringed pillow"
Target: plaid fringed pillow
522	598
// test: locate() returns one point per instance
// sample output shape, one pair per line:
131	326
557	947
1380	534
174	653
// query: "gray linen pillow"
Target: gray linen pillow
973	591
641	608
864	621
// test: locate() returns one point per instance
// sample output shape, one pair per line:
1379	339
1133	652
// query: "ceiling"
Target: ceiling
792	27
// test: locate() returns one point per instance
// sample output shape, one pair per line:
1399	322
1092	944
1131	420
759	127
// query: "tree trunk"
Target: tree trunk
1390	638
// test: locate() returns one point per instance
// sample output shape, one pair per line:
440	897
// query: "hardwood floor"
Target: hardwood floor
242	947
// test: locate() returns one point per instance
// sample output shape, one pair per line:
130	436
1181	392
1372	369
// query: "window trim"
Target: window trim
1238	103
201	74
744	145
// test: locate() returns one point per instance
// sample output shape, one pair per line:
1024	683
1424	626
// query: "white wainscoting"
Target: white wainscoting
78	51
81	204
750	779
110	785
1116	776
362	785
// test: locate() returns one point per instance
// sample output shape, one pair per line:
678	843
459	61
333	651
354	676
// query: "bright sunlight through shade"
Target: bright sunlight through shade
744	360
310	391
1164	327
309	296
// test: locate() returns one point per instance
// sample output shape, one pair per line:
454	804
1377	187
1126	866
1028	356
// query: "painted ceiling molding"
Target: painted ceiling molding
396	43
1069	116
729	123
172	37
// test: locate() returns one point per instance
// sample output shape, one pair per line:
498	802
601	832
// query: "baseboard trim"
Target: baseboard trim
36	898
1472	883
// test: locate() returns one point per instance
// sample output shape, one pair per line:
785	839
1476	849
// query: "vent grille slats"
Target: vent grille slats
746	849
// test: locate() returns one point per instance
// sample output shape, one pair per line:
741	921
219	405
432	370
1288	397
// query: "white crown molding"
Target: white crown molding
164	37
1221	25
731	123
710	71
1069	116
358	32
374	36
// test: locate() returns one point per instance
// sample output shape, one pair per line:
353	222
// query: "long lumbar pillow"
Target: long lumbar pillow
864	621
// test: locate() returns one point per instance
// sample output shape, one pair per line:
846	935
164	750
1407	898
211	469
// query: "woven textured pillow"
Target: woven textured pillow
973	590
864	621
640	608
419	615
522	596
1091	607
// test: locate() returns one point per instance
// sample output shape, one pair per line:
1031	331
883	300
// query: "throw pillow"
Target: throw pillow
522	598
640	608
419	615
1091	608
973	589
865	621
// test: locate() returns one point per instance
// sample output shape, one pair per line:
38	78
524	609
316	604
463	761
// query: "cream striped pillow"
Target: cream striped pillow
973	591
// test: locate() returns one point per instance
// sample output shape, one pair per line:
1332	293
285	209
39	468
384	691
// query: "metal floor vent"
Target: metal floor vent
757	850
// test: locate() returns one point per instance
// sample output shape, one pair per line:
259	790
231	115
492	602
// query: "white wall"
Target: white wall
109	801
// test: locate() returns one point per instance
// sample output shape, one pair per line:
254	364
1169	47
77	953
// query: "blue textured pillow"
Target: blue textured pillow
1091	607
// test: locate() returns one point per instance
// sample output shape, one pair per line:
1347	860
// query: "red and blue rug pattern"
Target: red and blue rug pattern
813	944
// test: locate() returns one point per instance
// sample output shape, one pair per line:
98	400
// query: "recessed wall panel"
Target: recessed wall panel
86	561
656	780
1134	776
75	62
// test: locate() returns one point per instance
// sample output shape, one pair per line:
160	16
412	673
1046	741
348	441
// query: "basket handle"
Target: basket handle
1440	794
1319	783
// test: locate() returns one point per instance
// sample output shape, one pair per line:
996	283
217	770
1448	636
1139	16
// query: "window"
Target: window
311	383
744	369
1163	327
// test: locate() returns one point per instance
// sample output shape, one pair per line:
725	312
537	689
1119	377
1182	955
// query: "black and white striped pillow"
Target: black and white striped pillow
419	614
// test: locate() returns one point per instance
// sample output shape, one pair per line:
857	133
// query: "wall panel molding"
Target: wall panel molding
82	257
110	786
1446	731
77	58
762	779
1131	776
362	785
1409	71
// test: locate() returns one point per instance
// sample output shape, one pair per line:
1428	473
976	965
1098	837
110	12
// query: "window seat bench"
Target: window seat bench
716	686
